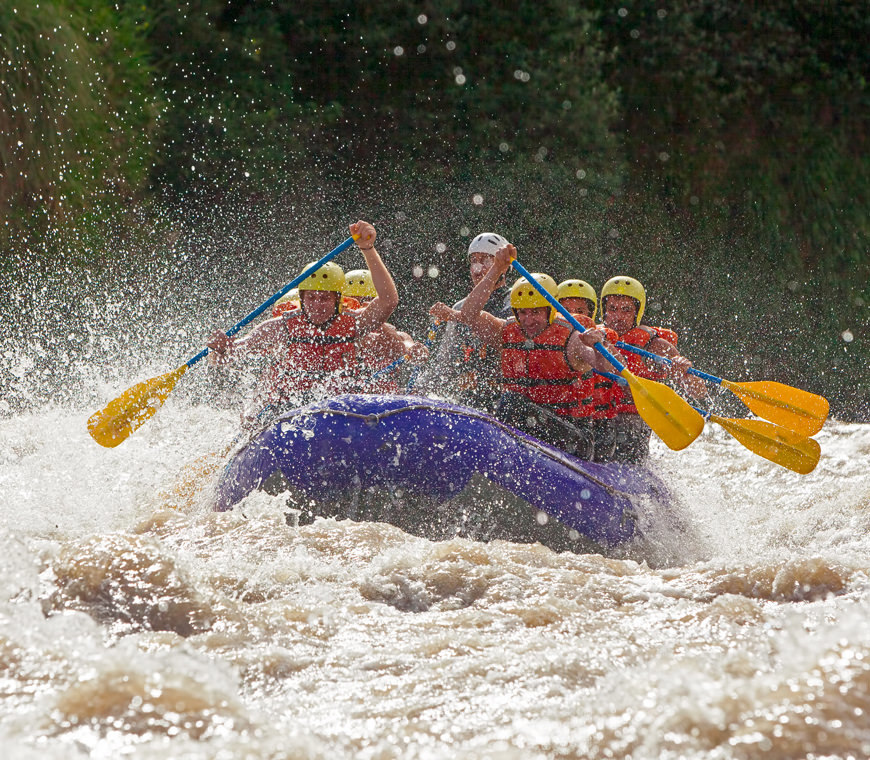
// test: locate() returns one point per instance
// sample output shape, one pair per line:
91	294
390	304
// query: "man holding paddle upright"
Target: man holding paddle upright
313	350
463	366
542	359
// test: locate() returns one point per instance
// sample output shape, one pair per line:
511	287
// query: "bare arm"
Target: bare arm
377	311
679	367
441	312
263	339
582	356
484	325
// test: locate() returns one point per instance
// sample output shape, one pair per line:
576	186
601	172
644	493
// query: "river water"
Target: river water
136	623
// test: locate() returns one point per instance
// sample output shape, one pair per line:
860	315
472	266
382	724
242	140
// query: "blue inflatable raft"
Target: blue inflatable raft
422	458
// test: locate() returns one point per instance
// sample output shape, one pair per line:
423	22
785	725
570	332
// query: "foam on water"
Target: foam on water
132	620
135	622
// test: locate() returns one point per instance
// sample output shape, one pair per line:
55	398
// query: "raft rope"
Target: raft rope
374	419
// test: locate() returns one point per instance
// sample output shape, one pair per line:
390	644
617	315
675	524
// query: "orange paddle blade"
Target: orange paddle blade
780	445
797	410
113	424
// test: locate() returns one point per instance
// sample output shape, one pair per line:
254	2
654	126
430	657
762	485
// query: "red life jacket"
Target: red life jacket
599	390
317	356
640	336
538	368
282	308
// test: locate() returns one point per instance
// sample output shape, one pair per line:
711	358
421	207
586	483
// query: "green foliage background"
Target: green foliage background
715	149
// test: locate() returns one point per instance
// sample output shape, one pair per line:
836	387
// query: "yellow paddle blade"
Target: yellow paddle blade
798	410
132	408
662	408
780	445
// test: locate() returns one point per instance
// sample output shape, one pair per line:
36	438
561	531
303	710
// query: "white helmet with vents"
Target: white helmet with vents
487	242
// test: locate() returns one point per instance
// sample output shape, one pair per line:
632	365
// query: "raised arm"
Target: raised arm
377	311
484	325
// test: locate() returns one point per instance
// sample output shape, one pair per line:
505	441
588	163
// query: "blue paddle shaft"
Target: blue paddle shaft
665	360
599	347
269	301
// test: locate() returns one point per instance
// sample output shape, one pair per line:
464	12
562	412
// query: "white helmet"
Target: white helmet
487	242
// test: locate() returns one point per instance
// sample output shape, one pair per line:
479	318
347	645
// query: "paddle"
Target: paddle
112	425
798	410
776	444
662	408
779	445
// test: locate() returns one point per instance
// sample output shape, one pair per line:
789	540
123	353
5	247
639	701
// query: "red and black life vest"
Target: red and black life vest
322	356
640	336
538	369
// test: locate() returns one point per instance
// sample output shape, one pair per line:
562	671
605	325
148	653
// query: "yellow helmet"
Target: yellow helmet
329	277
625	286
526	296
358	284
578	289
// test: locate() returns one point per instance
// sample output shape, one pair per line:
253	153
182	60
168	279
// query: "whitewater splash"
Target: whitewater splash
137	622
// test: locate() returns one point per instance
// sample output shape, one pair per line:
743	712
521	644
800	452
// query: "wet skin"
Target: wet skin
479	265
577	306
319	305
620	313
533	321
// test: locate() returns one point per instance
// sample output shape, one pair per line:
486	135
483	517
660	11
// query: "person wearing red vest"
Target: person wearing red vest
581	301
542	359
313	350
623	301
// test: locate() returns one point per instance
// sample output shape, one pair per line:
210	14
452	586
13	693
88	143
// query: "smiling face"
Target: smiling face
319	305
533	321
620	313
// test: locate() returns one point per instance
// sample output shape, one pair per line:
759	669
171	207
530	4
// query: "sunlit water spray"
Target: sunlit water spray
133	620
